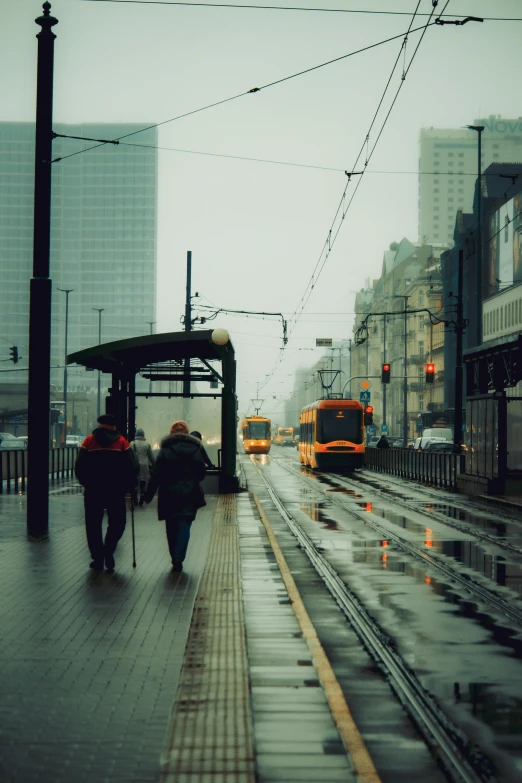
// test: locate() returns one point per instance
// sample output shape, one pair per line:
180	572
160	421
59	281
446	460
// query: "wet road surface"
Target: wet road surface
444	613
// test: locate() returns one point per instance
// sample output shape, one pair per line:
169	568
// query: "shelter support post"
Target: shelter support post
228	478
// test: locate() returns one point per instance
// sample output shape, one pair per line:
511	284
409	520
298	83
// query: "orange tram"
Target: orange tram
257	434
332	435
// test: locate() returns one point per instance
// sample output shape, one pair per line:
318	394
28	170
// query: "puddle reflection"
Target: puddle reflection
313	510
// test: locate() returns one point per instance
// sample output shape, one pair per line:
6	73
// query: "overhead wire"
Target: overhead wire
296	8
253	90
328	242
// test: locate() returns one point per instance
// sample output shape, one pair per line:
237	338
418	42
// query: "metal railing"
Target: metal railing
428	467
13	467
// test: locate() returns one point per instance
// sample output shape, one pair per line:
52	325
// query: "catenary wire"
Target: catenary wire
314	278
297	8
235	97
289	163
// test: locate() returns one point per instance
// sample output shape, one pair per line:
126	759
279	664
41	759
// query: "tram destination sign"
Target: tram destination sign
323	342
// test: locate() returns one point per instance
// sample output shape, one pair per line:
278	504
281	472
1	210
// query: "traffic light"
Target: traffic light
368	415
13	350
430	373
385	373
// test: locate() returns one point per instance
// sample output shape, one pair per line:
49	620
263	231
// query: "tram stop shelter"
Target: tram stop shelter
186	357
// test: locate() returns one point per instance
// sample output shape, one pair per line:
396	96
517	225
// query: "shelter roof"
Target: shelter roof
139	352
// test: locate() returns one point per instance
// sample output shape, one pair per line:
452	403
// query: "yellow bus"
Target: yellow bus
257	434
284	436
332	435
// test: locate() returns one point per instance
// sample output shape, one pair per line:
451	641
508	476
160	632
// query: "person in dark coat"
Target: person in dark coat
382	443
177	473
208	461
106	468
143	454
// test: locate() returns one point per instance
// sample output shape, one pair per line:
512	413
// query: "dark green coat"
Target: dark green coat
177	473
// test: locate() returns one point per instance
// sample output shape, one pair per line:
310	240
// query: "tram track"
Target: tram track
464	581
461	761
404	502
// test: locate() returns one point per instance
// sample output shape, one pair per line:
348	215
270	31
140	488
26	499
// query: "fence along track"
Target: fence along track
482	593
461	761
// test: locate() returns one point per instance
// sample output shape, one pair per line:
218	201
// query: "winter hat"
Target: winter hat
108	419
179	426
197	434
140	433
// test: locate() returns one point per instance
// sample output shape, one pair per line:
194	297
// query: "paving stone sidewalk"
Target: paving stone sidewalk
90	662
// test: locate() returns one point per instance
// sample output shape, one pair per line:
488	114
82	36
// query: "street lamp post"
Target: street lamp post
66	291
38	402
99	310
405	379
151	324
384	385
479	129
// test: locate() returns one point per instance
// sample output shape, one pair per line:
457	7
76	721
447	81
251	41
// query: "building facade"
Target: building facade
448	165
103	242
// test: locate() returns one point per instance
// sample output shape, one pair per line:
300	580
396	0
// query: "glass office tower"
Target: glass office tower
103	240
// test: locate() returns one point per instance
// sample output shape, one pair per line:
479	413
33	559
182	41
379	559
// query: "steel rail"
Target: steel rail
437	515
464	581
448	744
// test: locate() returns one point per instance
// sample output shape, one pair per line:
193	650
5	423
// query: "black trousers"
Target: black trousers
96	504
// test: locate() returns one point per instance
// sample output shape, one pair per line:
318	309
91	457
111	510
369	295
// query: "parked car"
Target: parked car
24	439
440	446
74	440
398	443
372	443
421	444
9	442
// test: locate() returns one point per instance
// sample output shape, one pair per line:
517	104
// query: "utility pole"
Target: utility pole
100	311
151	324
188	323
478	305
39	395
66	291
459	329
384	385
405	407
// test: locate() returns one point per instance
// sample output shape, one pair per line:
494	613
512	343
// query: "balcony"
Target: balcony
417	386
416	358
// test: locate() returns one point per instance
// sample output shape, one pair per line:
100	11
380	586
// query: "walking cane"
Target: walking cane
133	536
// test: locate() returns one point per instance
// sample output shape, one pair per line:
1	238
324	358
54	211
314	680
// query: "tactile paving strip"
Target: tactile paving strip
210	737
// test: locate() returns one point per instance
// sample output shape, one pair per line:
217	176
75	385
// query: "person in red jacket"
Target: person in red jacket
107	470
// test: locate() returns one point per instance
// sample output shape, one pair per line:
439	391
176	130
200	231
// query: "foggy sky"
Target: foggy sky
256	229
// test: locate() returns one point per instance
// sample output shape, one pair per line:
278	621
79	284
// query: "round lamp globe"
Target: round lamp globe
220	336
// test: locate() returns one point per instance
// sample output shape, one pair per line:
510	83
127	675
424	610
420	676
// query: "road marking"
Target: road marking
351	737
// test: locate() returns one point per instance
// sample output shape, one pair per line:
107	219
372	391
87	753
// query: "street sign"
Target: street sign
323	342
384	428
365	396
371	429
365	384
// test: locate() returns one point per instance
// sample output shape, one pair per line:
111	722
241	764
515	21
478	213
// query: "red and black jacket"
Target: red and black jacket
105	462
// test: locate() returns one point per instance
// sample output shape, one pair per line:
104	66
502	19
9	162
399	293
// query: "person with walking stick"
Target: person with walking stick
177	473
106	468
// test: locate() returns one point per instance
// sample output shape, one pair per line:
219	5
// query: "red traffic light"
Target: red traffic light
385	366
430	368
430	373
369	409
385	373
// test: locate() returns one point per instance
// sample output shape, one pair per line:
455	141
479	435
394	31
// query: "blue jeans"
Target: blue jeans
178	534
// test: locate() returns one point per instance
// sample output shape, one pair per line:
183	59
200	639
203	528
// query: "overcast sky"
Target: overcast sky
256	229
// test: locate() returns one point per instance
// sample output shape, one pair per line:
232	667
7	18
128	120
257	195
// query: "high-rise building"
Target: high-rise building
448	167
103	239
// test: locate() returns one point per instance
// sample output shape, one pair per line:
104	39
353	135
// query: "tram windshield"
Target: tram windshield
258	430
339	425
282	431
